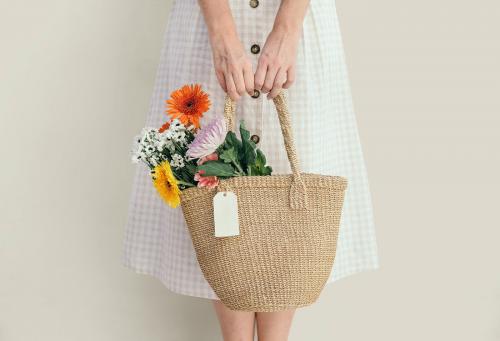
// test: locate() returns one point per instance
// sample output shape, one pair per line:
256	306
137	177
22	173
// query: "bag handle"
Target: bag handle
298	193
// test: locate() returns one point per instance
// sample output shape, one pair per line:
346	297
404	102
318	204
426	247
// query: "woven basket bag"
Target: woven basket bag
289	225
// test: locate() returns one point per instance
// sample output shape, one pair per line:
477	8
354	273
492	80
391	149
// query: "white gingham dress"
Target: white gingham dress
156	239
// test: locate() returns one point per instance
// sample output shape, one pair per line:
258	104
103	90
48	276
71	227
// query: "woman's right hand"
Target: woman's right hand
232	65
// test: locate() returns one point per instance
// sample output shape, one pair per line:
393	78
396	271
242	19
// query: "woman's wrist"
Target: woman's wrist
223	35
218	19
225	43
222	30
290	17
287	30
287	26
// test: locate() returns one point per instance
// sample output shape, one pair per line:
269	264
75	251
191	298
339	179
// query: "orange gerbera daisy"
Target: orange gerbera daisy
188	104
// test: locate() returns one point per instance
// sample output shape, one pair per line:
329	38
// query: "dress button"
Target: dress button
256	93
255	49
254	3
255	138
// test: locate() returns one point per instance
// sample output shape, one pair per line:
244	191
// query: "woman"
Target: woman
250	49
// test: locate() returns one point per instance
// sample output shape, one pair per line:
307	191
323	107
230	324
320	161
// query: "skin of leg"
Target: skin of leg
235	325
274	326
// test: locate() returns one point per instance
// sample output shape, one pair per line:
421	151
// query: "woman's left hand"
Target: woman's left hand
276	64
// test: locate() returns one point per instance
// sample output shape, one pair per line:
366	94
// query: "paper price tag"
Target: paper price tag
226	214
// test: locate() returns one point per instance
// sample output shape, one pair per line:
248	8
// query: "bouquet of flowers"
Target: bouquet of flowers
181	154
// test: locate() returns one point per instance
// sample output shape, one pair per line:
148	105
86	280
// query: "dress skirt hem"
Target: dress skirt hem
138	270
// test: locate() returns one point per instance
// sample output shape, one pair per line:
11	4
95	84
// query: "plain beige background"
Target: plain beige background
76	78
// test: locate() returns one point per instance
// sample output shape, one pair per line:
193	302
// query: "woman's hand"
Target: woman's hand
232	65
276	66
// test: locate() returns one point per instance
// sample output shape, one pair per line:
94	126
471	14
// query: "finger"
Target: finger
221	79
231	87
238	81
260	75
270	77
290	77
278	84
248	78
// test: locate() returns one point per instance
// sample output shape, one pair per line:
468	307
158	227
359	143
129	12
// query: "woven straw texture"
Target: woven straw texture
288	232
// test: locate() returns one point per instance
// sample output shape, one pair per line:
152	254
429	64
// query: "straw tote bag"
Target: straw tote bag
288	224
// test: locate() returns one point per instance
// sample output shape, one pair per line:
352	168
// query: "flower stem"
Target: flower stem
180	182
238	166
238	173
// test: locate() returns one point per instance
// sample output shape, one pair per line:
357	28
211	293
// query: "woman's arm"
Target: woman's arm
232	65
276	67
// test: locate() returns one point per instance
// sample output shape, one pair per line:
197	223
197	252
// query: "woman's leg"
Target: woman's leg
274	326
235	325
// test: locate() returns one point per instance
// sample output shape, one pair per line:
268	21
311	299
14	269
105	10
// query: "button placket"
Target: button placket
254	3
255	49
256	93
255	138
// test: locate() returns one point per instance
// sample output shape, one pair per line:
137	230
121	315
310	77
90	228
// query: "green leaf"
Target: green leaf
260	160
232	141
245	134
259	167
217	168
247	156
229	155
267	170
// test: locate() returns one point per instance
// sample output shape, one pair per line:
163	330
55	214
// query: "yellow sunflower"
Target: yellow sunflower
166	184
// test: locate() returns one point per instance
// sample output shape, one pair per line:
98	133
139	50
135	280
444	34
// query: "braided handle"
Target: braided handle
298	193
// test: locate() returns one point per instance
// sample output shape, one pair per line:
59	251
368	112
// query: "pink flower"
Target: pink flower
206	181
208	139
209	157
